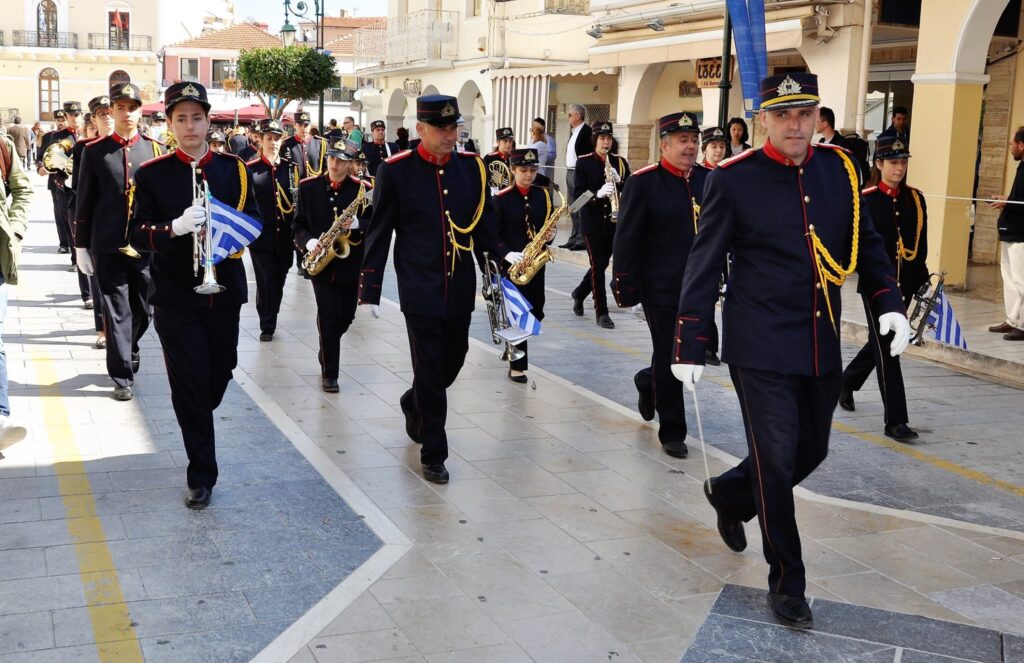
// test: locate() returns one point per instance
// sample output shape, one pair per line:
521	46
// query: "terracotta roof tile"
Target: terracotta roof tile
351	21
343	45
237	37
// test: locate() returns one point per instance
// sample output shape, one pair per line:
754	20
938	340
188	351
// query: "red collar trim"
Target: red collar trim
270	163
884	188
121	140
187	159
430	158
673	170
335	185
301	140
779	157
707	164
523	191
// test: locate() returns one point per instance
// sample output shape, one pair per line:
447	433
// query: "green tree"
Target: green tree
295	72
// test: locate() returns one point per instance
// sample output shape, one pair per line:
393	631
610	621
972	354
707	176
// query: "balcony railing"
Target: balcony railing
424	38
574	7
129	42
35	39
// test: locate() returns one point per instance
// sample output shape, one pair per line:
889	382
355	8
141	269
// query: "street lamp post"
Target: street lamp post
288	34
724	84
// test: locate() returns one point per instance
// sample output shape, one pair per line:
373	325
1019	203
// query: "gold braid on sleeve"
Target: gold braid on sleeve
830	271
243	184
454	230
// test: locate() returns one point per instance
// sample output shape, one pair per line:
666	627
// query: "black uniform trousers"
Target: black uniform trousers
60	216
97	303
438	347
534	293
875	354
657	380
787	420
335	310
271	268
124	288
200	351
599	250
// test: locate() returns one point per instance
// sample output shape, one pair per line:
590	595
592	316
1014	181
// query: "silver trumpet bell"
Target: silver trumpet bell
502	330
202	249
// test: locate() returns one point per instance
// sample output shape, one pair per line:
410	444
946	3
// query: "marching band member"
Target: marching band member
657	225
901	218
216	141
322	200
103	125
793	218
105	190
436	273
310	152
506	142
603	174
520	211
715	147
274	182
378	149
199	333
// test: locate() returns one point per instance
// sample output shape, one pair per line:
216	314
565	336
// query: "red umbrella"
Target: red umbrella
149	109
247	114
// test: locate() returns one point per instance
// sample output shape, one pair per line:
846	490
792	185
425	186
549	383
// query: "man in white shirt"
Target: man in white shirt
579	143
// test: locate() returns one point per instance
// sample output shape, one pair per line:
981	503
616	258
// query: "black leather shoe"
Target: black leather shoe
405	402
198	498
567	245
579	246
266	337
521	379
676	449
643	401
123	393
791	611
711	358
604	322
63	249
330	385
901	432
846	400
435	473
136	361
577	306
731	531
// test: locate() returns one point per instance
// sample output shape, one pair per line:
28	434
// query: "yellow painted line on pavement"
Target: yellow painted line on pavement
115	637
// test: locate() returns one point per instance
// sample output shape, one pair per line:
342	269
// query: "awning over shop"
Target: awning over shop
781	35
581	69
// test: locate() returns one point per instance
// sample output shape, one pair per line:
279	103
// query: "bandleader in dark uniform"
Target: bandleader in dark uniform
310	152
900	216
437	203
794	220
105	191
597	222
520	211
274	181
657	223
377	149
322	201
199	333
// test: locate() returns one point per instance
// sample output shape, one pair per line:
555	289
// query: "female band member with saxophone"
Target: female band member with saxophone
327	230
198	332
520	211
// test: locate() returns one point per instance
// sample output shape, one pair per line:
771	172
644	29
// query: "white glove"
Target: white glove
616	176
494	191
513	257
355	223
311	244
372	309
899	326
688	374
606	190
84	262
190	220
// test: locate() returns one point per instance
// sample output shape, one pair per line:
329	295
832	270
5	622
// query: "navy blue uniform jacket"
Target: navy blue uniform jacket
761	206
415	197
590	177
320	201
657	224
894	214
272	185
310	154
163	189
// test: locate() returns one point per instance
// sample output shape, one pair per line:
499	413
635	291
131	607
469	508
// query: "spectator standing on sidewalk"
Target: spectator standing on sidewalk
21	136
1011	241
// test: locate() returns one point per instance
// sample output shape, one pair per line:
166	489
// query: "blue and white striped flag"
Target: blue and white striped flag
946	328
519	309
232	230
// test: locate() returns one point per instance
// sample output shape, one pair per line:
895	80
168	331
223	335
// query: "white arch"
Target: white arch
396	103
430	89
976	31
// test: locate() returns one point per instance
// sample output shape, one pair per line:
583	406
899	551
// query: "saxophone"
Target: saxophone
334	243
609	176
536	253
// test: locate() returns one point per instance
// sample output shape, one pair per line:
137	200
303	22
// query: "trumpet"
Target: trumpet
925	300
611	176
57	157
502	330
501	174
202	247
334	242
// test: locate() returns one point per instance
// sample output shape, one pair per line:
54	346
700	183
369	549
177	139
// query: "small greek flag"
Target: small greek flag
232	230
946	328
518	309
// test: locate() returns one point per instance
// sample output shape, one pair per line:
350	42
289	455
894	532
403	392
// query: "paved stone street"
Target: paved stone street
564	535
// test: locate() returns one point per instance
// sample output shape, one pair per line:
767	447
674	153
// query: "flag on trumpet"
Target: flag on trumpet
943	321
232	230
518	308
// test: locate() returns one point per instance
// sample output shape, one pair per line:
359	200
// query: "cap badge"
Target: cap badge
788	86
448	110
127	89
898	146
190	91
685	121
104	101
340	145
718	132
529	157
